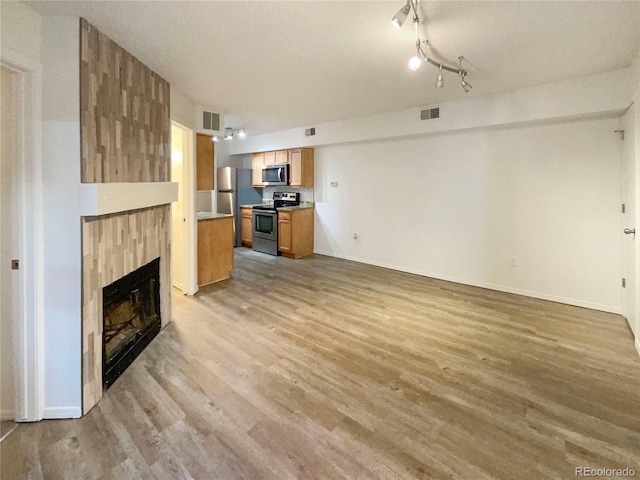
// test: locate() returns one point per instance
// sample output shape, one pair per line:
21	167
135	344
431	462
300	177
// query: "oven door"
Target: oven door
275	175
265	224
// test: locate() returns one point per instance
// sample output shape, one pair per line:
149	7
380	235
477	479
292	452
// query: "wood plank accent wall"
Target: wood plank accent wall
124	105
112	247
126	135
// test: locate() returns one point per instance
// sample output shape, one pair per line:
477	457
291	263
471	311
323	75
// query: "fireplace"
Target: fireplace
131	318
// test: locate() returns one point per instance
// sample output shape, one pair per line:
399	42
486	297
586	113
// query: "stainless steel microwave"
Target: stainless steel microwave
275	174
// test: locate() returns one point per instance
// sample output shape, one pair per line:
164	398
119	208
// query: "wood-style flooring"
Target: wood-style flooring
6	427
322	368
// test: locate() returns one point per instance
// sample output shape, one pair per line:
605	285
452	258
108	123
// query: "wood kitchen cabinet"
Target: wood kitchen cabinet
215	249
246	227
269	158
276	158
282	156
256	169
204	162
300	161
301	167
295	232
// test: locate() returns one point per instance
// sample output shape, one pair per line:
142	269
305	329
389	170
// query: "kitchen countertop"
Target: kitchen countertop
299	207
302	206
211	215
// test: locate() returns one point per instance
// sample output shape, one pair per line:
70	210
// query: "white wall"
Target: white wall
457	206
601	94
21	29
61	199
183	109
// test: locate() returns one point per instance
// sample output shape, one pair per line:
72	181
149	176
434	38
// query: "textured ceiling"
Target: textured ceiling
277	65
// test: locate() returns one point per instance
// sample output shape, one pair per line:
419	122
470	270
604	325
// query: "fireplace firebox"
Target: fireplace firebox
131	318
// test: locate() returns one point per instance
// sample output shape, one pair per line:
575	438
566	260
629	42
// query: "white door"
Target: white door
9	240
177	208
629	240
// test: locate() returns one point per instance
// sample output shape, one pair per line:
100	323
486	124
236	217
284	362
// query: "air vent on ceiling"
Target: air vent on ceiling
430	113
309	132
209	121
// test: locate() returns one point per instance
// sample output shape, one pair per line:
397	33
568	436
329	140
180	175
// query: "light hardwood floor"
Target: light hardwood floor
325	369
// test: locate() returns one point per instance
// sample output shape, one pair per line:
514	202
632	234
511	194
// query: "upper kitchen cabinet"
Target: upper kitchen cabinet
300	161
301	169
256	169
204	162
276	158
282	156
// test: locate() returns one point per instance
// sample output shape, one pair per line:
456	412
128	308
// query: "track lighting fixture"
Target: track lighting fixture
421	54
231	133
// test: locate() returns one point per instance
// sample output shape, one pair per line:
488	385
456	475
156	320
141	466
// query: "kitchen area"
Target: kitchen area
268	207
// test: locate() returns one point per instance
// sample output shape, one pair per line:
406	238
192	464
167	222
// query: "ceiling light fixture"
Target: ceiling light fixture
415	61
231	133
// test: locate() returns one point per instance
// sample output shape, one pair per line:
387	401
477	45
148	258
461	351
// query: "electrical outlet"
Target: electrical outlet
513	261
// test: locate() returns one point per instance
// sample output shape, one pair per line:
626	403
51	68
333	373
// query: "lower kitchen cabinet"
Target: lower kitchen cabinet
295	233
246	227
215	249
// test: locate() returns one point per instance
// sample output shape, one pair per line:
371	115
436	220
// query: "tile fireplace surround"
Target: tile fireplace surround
113	246
125	137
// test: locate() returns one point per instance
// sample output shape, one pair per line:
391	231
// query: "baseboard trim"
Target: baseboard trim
490	286
7	414
51	413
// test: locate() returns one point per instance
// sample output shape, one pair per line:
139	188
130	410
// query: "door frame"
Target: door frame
634	137
190	284
29	326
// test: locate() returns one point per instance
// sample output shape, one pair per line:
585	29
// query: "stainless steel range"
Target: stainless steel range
265	222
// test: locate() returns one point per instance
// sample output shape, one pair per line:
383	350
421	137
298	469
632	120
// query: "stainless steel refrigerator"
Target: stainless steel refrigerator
235	189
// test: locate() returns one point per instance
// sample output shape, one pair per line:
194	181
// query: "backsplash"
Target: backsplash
306	194
204	201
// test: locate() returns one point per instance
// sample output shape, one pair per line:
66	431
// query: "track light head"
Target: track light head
414	63
440	80
228	134
400	17
242	133
465	86
215	138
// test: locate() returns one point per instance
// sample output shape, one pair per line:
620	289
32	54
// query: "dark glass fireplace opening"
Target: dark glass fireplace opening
131	318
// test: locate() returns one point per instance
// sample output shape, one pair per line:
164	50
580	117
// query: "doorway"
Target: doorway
9	245
183	221
629	240
21	299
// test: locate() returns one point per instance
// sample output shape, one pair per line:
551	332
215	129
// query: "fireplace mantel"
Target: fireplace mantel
105	198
